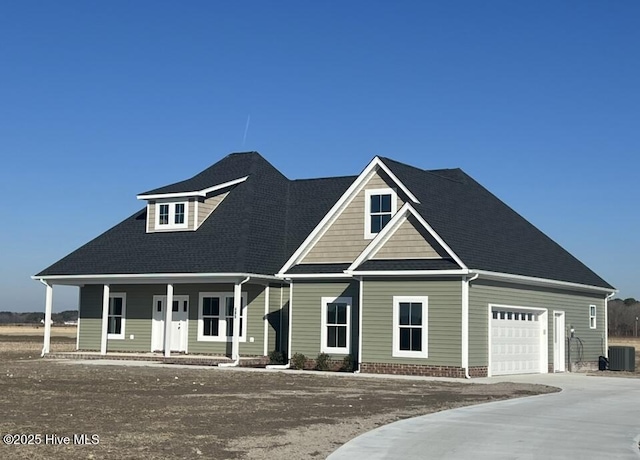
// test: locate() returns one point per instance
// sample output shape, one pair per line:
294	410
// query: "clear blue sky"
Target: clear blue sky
539	101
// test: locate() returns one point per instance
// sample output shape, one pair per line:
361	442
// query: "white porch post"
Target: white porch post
168	314
235	341
105	319
48	306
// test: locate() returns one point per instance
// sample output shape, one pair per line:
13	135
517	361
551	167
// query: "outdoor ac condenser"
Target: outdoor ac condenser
622	359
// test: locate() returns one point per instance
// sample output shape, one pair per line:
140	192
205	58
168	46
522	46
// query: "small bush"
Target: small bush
298	361
276	357
322	362
348	364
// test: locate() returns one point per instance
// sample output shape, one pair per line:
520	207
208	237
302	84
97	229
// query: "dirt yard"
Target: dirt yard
175	413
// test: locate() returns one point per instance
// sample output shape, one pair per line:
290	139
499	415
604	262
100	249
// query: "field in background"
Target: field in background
37	330
627	342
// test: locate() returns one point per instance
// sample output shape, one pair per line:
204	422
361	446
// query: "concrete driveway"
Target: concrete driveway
592	418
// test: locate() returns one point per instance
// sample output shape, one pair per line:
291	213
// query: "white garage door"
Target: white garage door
515	341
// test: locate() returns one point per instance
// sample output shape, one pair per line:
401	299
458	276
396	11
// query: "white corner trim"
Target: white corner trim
339	206
202	192
388	231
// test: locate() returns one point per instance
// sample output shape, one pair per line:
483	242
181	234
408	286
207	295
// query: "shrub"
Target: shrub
276	357
298	361
348	364
322	362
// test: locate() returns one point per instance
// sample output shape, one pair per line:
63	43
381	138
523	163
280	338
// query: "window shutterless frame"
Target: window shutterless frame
592	317
380	205
117	315
410	326
172	215
335	334
214	318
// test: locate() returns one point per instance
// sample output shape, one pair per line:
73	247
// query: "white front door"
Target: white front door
558	341
179	323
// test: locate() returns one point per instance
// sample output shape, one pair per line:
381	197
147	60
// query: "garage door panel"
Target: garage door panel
515	342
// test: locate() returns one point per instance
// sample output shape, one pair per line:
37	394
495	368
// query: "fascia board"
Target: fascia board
202	192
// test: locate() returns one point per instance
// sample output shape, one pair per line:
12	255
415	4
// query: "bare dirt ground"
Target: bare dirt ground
176	413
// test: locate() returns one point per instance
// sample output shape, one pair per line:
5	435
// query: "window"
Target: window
215	317
410	327
116	316
380	206
592	316
171	215
336	333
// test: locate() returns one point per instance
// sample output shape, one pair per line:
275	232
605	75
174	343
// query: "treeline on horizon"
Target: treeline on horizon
10	317
623	316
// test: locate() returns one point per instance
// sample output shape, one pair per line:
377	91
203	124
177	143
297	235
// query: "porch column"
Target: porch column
48	306
105	319
168	314
235	341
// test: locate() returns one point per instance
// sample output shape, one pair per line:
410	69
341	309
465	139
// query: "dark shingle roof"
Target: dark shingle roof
264	219
317	268
486	233
408	264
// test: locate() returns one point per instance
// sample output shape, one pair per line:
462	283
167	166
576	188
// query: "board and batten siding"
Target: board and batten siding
344	240
482	293
407	242
307	315
207	206
443	326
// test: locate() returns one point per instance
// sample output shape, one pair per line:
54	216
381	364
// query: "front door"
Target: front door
179	323
558	341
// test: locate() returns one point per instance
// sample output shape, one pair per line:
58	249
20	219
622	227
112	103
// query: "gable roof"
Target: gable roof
486	233
266	217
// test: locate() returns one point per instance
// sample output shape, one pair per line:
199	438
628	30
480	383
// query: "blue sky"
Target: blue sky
99	101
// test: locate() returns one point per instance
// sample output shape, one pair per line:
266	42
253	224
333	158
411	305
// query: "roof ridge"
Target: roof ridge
432	172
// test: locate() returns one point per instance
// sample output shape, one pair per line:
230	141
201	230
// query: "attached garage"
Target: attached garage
517	340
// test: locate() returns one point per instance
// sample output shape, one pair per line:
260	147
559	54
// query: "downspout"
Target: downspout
290	328
466	282
236	337
605	352
360	295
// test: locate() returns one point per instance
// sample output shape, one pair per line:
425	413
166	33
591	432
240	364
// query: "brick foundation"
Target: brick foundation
190	359
421	370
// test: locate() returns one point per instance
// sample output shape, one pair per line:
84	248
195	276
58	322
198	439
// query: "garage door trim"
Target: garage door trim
543	321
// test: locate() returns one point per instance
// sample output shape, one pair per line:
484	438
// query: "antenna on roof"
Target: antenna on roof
246	128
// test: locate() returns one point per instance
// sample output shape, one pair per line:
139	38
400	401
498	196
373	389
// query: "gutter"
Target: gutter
236	323
288	365
607	298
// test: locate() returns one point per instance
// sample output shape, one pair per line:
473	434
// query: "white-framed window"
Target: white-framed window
592	316
116	316
380	205
172	215
215	317
410	326
336	325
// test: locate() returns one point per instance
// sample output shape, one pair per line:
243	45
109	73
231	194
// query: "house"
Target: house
406	270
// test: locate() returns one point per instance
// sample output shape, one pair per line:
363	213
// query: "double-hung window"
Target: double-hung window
380	207
215	317
116	316
592	316
410	326
336	325
171	215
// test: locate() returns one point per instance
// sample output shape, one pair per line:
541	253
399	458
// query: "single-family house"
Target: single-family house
406	270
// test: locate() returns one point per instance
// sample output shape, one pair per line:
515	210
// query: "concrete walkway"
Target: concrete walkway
592	418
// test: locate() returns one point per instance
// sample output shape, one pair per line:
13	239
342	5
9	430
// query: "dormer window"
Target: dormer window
171	215
380	207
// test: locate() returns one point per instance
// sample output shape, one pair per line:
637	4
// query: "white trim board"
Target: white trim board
203	192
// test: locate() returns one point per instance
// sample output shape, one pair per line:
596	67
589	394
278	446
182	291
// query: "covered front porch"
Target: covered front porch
205	319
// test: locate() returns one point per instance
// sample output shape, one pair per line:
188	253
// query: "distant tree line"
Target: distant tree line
9	317
622	317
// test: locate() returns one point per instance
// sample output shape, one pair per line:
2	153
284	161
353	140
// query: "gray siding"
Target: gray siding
208	205
344	240
407	242
306	313
444	320
574	304
90	311
278	302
